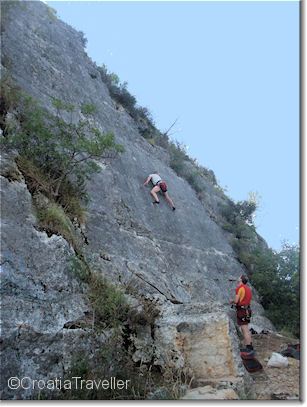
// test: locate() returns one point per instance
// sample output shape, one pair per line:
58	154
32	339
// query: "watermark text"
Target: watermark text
74	383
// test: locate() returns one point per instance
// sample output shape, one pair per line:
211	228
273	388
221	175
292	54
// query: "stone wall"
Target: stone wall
182	259
199	338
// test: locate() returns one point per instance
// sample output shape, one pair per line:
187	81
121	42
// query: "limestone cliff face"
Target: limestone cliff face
180	259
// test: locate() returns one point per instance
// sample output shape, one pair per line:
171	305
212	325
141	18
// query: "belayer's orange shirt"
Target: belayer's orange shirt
245	294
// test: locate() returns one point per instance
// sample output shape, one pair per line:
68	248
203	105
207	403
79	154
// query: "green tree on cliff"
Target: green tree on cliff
277	280
61	145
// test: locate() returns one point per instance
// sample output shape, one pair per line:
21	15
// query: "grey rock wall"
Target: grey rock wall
39	292
181	258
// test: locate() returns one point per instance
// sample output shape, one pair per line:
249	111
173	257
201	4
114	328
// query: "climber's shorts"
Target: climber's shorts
243	315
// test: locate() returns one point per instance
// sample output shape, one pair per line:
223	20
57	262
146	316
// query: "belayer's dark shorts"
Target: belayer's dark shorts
244	315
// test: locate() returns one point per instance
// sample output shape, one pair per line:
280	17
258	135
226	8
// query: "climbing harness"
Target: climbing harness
244	313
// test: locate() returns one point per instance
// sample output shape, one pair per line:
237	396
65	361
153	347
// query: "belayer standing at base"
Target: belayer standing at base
242	301
158	185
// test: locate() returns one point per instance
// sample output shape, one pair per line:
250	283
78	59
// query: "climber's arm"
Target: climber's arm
240	293
237	297
147	181
236	300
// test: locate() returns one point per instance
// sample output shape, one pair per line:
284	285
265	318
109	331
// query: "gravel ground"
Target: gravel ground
275	383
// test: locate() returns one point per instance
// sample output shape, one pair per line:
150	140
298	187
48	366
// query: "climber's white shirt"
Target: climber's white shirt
155	178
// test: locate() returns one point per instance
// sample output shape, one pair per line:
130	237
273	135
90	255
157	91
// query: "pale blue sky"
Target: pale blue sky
230	72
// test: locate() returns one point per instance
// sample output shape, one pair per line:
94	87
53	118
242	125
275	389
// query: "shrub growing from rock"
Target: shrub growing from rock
63	148
54	220
56	154
108	302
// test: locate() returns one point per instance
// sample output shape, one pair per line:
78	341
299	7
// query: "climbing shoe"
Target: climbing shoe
156	202
174	208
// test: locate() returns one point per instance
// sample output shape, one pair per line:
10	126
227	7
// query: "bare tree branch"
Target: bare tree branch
166	132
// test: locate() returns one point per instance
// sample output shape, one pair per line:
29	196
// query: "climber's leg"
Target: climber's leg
154	193
170	202
246	334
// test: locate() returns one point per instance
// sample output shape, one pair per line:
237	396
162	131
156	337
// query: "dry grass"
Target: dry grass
54	220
